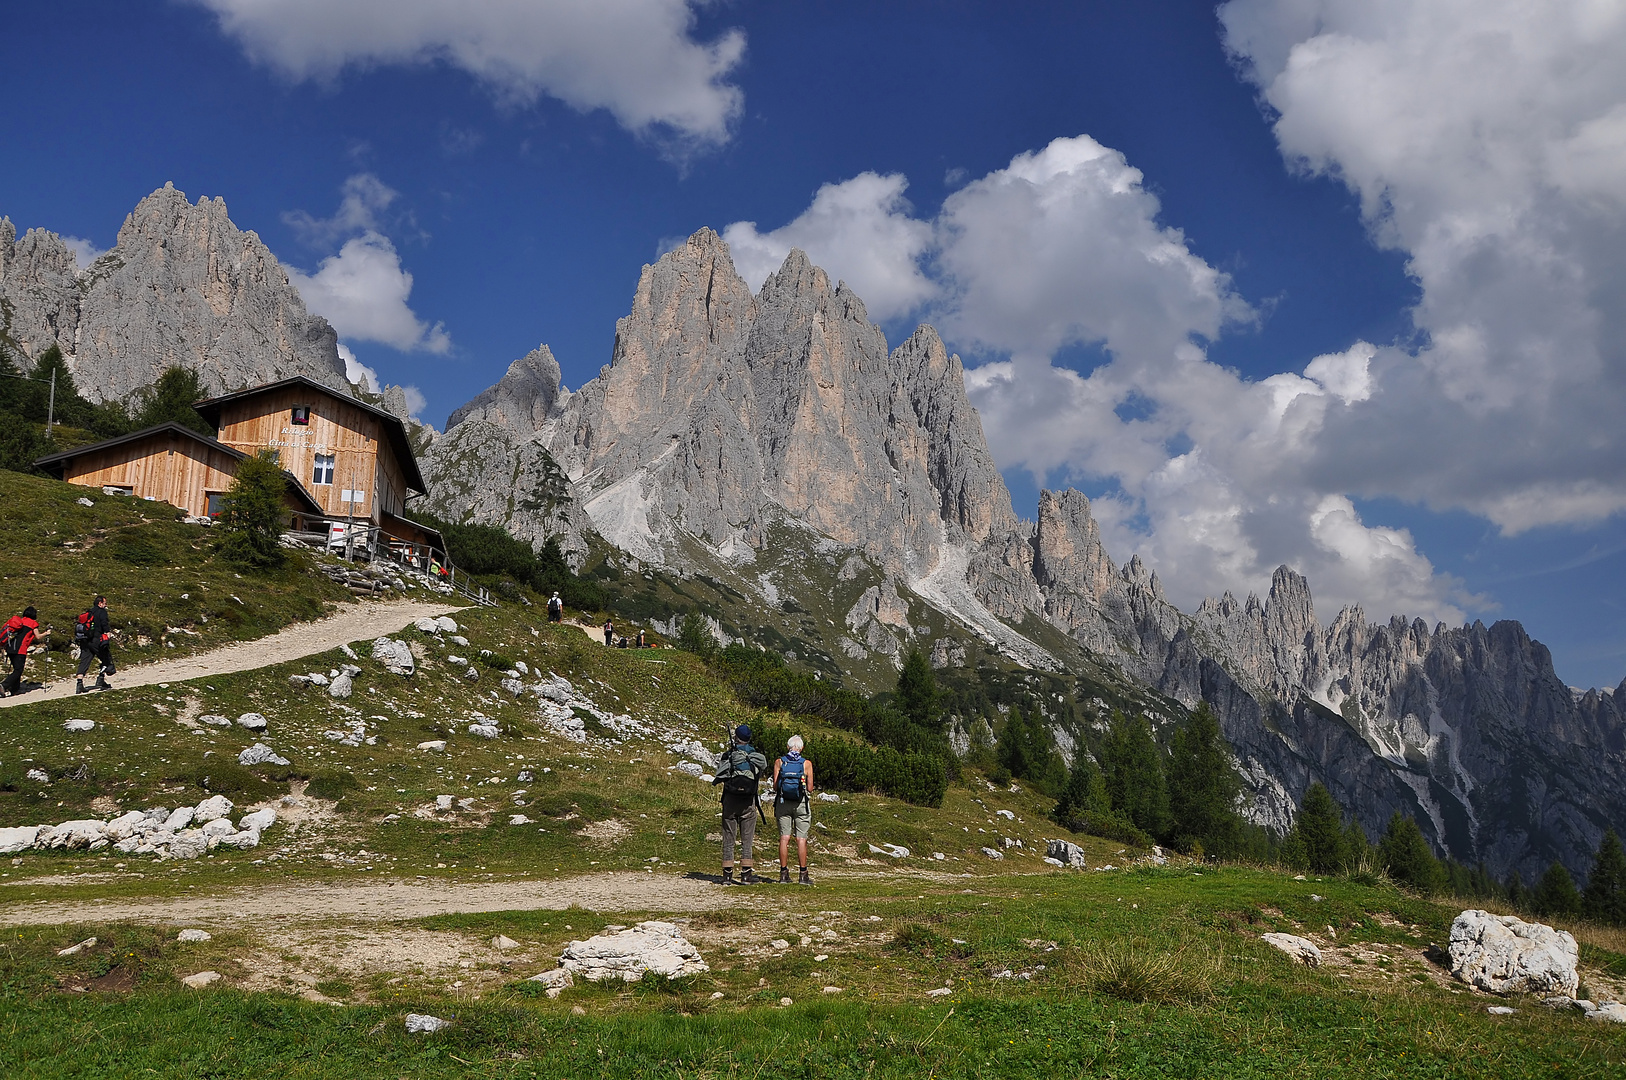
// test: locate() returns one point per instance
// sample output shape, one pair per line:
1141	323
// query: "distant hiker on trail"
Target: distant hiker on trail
642	644
609	633
739	768
556	608
18	636
793	807
94	636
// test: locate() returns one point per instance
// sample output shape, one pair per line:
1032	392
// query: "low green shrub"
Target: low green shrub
332	784
230	778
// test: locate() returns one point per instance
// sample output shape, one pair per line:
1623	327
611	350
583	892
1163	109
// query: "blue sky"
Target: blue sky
1140	224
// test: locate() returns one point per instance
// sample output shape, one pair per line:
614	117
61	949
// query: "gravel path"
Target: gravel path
393	899
364	620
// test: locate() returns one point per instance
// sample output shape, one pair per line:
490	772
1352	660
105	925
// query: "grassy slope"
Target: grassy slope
1224	1005
157	572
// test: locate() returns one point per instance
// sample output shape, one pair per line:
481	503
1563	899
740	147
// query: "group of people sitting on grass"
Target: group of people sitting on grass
739	771
92	633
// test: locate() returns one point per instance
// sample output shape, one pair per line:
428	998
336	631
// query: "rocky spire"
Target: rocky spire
185	287
524	399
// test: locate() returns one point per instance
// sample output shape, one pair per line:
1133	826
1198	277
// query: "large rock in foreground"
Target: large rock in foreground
627	954
1506	955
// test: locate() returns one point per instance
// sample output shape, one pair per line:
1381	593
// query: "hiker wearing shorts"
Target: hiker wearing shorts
793	807
739	768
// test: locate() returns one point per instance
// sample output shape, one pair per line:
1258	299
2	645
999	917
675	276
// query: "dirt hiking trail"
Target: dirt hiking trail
393	899
367	619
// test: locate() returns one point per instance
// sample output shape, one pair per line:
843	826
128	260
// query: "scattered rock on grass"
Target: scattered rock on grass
260	754
1506	955
201	979
1305	952
73	950
484	731
253	721
340	687
194	935
1066	853
79	725
214	720
395	655
896	851
432	744
627	954
993	853
423	1023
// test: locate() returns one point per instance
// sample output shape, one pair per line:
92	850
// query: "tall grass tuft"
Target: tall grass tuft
1144	974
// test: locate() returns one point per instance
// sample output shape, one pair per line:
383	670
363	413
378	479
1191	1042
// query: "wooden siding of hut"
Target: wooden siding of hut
171	468
362	460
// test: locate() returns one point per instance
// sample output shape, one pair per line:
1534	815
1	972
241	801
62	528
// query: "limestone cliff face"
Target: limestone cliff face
720	410
484	474
39	290
182	287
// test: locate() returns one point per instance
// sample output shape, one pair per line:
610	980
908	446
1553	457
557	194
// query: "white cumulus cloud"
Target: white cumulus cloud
363	292
363	289
862	230
84	251
637	59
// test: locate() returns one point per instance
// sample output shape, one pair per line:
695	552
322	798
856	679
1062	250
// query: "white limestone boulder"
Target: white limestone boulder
627	954
126	825
1300	949
340	687
446	625
259	820
79	725
1506	955
253	721
1066	853
187	844
215	806
396	656
18	839
260	754
73	834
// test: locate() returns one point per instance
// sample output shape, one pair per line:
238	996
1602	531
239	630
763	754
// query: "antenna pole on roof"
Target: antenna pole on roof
50	409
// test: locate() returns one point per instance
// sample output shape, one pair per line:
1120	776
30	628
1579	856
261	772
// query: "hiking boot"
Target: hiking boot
102	684
748	876
728	876
804	879
79	687
784	875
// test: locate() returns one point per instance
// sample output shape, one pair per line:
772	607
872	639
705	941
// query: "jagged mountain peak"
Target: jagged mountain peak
182	287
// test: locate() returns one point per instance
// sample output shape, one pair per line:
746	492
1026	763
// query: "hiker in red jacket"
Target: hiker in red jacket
18	636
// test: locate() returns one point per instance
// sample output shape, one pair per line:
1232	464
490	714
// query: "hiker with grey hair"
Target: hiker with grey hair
739	769
793	807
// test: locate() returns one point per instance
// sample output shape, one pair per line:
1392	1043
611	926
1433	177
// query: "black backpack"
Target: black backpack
13	641
741	777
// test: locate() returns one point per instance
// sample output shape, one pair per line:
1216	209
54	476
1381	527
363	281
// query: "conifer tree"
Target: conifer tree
251	518
1084	795
1203	787
1605	896
1319	831
1133	770
917	696
1555	893
1407	857
170	399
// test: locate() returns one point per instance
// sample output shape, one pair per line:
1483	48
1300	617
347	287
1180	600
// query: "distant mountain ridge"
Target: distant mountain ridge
724	414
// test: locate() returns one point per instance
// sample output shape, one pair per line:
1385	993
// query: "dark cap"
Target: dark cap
743	733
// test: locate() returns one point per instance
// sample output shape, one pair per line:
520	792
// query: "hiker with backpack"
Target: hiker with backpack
793	807
609	633
738	771
17	636
94	636
556	608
